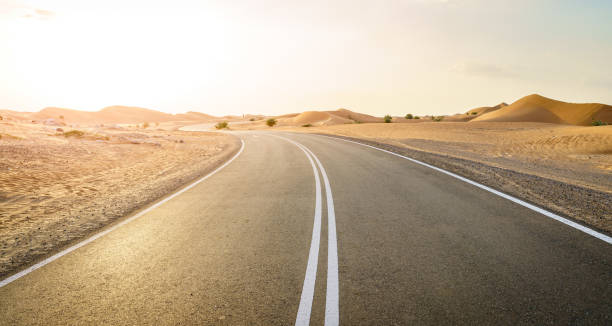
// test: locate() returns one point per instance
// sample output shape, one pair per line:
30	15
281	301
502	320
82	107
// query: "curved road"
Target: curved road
303	229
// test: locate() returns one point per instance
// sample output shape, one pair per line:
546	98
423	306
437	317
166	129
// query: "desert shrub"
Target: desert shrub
222	125
1	118
409	116
145	125
61	117
307	125
417	117
388	118
599	123
437	119
74	133
252	119
474	113
271	122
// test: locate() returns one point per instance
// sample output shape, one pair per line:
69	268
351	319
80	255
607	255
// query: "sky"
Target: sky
273	57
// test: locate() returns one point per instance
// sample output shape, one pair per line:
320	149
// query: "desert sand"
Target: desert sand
59	186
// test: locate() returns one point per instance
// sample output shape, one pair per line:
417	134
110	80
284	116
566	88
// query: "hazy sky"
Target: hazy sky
378	57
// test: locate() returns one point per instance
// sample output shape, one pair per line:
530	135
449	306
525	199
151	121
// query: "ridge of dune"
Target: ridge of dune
320	118
193	115
59	113
473	113
288	115
111	114
537	108
311	117
130	114
15	115
355	116
486	109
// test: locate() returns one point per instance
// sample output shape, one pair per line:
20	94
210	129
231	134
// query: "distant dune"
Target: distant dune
536	108
326	118
355	116
532	108
13	115
128	114
319	118
196	116
74	116
473	113
486	109
113	114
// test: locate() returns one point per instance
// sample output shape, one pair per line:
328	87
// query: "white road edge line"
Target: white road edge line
111	229
542	211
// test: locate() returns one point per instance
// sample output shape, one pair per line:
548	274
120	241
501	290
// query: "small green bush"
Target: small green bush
307	125
271	122
409	116
599	123
74	133
222	125
417	117
388	118
474	113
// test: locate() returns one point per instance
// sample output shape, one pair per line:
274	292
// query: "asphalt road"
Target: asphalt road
414	246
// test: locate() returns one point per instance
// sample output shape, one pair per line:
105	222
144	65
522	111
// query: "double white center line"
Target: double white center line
332	303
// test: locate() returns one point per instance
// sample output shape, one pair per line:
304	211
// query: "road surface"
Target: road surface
302	229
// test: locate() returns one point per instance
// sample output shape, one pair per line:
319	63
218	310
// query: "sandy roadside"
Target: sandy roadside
55	190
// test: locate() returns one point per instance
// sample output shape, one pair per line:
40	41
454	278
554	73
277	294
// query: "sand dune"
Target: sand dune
195	116
325	118
113	114
320	118
536	108
13	115
459	117
485	109
473	113
311	117
355	116
128	114
288	115
72	116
